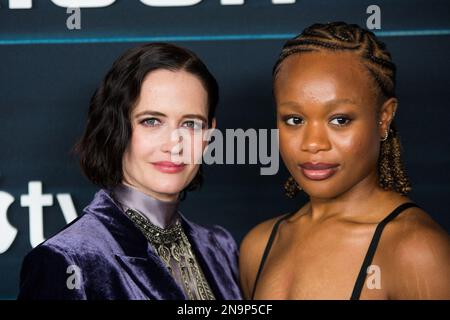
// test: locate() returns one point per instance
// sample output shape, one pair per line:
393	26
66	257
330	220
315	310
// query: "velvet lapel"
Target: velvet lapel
134	254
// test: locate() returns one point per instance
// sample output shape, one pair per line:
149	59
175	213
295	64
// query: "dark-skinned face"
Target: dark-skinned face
327	113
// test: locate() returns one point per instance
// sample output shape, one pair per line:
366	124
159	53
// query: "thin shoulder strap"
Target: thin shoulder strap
267	249
373	247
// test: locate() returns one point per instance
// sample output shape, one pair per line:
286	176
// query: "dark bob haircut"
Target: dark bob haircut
108	130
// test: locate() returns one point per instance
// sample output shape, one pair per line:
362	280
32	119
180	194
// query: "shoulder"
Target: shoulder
47	273
251	252
48	253
224	237
83	233
78	237
419	251
415	237
257	237
216	234
46	257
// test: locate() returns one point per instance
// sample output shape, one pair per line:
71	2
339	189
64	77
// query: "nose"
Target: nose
171	142
315	138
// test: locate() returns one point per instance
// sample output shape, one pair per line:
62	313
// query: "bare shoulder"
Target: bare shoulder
251	252
258	234
416	232
419	253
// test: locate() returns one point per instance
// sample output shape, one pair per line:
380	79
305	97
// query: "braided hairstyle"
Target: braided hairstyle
340	36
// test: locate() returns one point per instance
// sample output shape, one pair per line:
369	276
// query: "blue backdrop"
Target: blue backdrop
48	73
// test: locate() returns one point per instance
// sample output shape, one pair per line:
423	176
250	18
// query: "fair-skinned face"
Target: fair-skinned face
171	105
327	113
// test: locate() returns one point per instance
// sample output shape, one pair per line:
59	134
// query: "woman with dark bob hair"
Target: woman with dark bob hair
359	236
131	241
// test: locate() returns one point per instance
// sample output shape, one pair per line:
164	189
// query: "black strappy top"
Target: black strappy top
367	260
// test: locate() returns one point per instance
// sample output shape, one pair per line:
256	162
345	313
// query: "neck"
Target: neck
354	203
161	213
166	197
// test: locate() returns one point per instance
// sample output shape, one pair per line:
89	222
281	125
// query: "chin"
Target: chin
170	185
167	188
326	191
320	190
316	194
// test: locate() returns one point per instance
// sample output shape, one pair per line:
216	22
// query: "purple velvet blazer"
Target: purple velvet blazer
102	255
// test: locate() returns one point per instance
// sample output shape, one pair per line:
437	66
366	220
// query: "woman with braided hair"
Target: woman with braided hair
359	236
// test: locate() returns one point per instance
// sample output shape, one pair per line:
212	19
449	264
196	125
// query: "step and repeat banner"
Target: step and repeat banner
53	55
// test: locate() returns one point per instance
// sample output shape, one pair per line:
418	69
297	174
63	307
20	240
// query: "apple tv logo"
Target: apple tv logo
35	200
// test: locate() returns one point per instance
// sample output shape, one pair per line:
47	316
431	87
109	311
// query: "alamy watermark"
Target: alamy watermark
373	280
236	146
373	22
74	280
73	22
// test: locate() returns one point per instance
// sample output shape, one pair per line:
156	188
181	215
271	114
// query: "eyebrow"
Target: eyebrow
336	102
150	113
160	114
331	103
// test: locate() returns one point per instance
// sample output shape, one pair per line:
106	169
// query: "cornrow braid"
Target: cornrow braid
340	36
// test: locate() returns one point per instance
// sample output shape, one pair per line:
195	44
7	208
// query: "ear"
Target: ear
387	114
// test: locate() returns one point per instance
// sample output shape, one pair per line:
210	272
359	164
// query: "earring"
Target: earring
291	187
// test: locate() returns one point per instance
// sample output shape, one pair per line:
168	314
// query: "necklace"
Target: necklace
174	249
